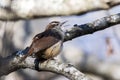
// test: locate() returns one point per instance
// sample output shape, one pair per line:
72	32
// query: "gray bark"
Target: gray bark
89	28
11	63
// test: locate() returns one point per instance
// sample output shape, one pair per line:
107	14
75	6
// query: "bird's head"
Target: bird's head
55	25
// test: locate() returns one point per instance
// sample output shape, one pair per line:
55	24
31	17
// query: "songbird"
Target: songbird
47	44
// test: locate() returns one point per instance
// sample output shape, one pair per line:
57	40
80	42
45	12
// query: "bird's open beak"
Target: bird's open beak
63	23
60	26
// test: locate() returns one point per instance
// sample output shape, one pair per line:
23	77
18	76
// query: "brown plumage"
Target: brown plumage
47	44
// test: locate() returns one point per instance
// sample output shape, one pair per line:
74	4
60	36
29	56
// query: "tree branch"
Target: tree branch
88	28
12	64
29	9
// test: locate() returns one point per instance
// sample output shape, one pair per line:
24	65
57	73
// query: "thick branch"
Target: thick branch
88	28
28	9
60	68
55	66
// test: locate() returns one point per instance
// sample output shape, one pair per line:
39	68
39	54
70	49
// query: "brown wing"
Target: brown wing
43	43
44	40
40	42
38	36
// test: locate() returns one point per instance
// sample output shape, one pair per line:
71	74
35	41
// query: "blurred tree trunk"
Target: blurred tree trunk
29	9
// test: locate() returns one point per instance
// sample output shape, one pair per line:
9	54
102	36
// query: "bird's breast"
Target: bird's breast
53	50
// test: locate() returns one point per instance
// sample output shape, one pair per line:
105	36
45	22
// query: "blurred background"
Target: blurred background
97	55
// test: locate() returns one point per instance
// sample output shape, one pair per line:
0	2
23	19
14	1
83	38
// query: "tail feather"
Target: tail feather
29	53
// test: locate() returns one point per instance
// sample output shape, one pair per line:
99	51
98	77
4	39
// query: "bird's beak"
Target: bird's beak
60	26
63	23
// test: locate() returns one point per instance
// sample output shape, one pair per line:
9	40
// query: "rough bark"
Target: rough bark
88	28
29	9
55	66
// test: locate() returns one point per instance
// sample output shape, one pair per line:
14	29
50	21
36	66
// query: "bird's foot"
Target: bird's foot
37	64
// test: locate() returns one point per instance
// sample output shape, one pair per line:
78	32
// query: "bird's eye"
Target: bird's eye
55	24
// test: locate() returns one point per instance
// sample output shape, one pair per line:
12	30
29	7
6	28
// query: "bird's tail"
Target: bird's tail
28	53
